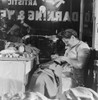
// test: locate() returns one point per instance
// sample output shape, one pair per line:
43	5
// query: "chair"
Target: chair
89	70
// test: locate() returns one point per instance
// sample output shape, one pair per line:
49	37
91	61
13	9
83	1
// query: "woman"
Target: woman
76	56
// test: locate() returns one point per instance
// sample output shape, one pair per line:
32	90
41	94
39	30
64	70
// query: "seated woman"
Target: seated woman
54	78
76	56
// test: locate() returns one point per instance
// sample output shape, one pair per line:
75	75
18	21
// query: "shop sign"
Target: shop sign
22	2
58	16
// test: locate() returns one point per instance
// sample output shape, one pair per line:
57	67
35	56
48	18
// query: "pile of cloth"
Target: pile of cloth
78	93
19	50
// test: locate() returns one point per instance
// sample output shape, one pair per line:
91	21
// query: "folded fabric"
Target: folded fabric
81	93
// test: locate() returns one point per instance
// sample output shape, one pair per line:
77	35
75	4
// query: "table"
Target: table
13	72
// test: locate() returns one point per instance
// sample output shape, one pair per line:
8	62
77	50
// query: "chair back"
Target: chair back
88	73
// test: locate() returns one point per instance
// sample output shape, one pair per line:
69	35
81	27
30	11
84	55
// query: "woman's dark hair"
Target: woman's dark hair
67	33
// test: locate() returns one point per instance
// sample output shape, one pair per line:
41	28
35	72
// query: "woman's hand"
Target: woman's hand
54	56
58	60
61	59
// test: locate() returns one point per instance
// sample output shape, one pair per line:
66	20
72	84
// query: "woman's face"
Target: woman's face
68	41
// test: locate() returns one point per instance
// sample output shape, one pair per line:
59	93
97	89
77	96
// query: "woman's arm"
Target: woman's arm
82	57
80	61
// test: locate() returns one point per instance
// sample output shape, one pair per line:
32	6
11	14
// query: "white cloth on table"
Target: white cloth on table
12	76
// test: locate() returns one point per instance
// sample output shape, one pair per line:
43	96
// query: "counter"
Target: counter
13	74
